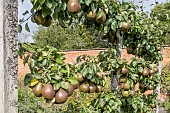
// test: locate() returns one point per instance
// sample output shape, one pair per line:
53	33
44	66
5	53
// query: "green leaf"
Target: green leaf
84	71
61	22
140	69
111	102
49	3
19	28
56	77
87	2
134	76
63	70
46	11
26	12
32	19
28	78
73	80
102	102
21	20
26	59
32	63
27	27
41	1
38	76
59	61
119	18
44	62
134	63
22	1
54	67
114	25
70	106
56	86
99	14
63	85
95	68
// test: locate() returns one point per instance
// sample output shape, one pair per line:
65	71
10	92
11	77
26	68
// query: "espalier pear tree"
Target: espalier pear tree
113	20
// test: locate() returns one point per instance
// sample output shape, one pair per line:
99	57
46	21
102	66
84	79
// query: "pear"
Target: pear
91	15
37	90
102	19
48	91
124	70
145	72
70	89
38	18
73	6
92	88
99	88
61	96
85	87
126	25
80	77
47	22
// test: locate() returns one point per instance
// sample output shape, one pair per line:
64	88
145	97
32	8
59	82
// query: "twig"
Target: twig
27	19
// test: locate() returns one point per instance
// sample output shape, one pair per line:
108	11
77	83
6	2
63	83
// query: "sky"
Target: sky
26	36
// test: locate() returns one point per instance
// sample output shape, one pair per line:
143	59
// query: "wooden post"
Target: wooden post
8	56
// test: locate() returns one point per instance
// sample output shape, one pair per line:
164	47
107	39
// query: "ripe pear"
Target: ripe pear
80	77
92	88
99	88
145	72
73	6
61	96
47	22
37	90
124	70
91	15
70	89
48	91
85	87
126	25
38	18
102	19
125	93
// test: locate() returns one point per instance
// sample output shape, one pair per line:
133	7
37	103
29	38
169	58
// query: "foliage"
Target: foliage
139	103
162	13
47	66
106	103
167	104
165	80
115	20
141	33
68	38
165	87
58	10
89	68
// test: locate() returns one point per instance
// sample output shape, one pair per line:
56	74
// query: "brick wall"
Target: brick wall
72	55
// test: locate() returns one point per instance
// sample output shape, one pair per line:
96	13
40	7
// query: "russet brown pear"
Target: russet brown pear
73	6
37	90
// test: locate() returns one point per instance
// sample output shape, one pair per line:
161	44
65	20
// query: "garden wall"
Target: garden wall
72	55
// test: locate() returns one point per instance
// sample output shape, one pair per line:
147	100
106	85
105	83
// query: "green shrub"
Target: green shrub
68	38
165	87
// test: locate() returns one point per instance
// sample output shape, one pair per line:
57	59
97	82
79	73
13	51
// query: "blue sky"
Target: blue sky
33	26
